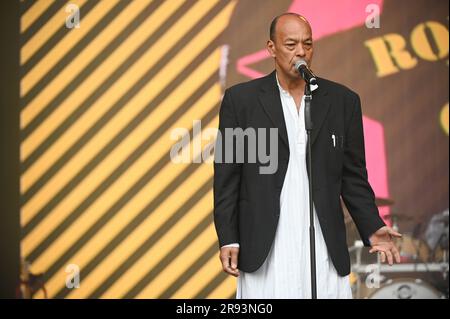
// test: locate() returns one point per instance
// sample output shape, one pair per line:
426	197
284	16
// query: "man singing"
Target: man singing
262	220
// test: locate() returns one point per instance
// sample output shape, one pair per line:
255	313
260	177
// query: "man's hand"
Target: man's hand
229	258
381	241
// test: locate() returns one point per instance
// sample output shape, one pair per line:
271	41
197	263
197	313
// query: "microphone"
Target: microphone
302	67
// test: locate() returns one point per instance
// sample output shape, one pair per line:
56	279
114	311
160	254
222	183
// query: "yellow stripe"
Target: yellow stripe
120	153
90	84
225	289
163	246
54	24
200	279
120	120
180	264
33	13
132	276
103	104
134	205
89	52
124	216
148	193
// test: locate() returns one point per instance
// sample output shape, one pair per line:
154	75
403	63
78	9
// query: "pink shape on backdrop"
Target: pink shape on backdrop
376	161
328	17
338	16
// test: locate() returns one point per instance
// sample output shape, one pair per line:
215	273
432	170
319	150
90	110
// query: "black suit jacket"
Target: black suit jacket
247	203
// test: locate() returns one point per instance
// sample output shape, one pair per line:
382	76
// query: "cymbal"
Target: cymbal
398	217
379	201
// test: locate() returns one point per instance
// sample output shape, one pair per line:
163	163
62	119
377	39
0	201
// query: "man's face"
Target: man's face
293	41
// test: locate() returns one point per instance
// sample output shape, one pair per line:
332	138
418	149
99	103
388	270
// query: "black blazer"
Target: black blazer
247	203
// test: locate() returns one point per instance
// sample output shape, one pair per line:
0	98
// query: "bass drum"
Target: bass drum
406	288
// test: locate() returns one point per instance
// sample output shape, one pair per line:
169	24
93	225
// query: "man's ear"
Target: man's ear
271	48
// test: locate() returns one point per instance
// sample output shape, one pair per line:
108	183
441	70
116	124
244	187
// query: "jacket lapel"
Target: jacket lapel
319	109
269	98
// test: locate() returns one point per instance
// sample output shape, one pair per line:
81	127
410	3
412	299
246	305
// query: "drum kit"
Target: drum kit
423	270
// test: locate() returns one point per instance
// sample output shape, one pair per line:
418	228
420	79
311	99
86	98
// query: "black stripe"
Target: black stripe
25	5
198	264
125	232
53	41
119	138
75	83
91	132
41	21
78	48
119	171
184	244
212	285
150	241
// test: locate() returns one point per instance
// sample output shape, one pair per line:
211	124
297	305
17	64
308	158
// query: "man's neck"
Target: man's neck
293	86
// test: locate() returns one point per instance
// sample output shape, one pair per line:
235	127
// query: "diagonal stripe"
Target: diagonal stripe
155	237
202	271
91	99
116	107
122	168
117	189
44	33
112	196
145	213
25	5
180	264
62	48
33	13
121	152
150	274
213	284
144	231
198	281
67	120
149	226
134	106
94	47
38	24
137	220
66	62
148	260
54	39
97	77
225	289
102	104
132	207
62	206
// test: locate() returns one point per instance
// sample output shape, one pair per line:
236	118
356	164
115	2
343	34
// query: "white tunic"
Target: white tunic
286	271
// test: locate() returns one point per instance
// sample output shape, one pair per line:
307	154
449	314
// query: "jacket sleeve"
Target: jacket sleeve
227	178
356	191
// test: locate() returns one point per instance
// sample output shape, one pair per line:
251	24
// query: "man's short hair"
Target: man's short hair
273	25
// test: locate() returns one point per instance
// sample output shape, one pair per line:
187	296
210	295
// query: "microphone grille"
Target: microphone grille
300	63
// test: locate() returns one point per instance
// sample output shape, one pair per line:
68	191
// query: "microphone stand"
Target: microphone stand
312	242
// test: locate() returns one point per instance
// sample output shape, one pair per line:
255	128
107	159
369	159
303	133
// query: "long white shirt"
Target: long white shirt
286	270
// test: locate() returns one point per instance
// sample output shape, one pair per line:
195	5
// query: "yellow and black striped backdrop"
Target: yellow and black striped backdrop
98	188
